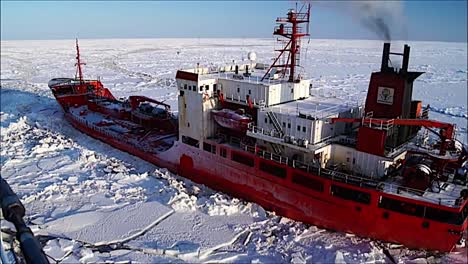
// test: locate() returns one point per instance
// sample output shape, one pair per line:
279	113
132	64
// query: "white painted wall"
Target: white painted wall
238	90
195	118
315	130
361	162
271	94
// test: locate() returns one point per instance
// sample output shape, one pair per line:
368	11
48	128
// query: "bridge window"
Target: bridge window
289	125
185	86
207	87
284	124
304	129
215	87
401	206
350	194
273	169
201	88
299	128
243	159
307	182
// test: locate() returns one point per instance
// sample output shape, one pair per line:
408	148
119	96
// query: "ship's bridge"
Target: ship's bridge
250	84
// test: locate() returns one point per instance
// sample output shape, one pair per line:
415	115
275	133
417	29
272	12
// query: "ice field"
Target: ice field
89	202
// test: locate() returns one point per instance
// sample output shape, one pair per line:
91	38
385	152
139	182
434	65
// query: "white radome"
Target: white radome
252	56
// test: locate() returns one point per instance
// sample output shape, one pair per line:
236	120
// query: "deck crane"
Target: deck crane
446	134
136	100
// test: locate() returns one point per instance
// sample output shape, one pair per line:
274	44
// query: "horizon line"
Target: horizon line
140	38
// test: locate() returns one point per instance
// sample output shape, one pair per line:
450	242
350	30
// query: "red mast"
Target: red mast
294	33
79	63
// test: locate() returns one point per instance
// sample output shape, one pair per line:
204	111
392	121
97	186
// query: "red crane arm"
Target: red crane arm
136	100
447	134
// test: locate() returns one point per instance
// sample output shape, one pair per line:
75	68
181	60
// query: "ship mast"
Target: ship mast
290	29
79	63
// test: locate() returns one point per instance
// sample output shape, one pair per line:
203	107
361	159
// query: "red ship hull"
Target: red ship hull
285	198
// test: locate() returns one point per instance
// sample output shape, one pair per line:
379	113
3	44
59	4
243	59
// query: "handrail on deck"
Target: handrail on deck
344	177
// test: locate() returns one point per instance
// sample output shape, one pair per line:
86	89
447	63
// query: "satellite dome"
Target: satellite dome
252	56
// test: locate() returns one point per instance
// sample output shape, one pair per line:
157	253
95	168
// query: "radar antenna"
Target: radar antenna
289	28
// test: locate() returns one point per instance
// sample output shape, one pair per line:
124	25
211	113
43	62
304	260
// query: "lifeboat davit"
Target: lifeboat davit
233	120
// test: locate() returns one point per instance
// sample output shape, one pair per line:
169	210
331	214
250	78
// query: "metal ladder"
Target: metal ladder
275	122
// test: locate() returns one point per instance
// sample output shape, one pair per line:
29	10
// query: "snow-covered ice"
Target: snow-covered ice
92	203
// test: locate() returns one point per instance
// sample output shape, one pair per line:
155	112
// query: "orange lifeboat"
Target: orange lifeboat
233	120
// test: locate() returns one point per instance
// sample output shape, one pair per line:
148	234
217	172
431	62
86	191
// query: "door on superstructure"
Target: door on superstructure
318	157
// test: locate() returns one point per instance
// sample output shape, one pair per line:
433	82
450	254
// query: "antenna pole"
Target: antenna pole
79	63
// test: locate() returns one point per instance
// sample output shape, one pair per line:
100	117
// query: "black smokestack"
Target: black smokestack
406	52
385	57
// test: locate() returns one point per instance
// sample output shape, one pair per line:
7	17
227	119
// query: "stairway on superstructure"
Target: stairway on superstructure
276	124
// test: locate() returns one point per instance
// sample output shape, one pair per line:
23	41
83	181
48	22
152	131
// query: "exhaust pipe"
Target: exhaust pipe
406	53
385	57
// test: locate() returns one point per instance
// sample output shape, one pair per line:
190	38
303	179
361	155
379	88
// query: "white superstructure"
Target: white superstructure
286	119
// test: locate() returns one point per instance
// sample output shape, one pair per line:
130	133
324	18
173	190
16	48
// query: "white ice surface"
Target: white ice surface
85	194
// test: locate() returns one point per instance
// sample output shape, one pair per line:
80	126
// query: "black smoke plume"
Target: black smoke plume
384	18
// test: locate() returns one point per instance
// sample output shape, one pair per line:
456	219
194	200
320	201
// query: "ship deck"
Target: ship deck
314	107
148	140
255	74
445	195
109	104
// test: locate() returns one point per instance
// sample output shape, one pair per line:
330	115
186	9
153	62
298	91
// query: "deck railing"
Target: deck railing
342	139
365	182
265	154
259	130
248	79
